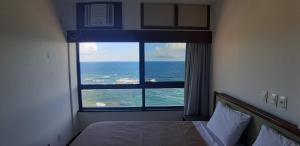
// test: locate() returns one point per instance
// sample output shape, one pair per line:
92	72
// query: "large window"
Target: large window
131	75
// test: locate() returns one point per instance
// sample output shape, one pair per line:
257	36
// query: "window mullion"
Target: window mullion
142	72
78	76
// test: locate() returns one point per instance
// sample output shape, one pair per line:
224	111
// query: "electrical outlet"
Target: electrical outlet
282	102
273	99
264	95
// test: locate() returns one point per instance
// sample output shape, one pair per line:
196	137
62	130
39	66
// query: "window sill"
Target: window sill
132	109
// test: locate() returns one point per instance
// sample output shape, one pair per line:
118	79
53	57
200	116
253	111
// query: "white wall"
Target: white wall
131	11
73	85
256	47
34	92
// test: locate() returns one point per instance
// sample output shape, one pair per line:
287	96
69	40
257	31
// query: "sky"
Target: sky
108	52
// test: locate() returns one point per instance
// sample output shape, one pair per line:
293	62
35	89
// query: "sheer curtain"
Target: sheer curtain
196	94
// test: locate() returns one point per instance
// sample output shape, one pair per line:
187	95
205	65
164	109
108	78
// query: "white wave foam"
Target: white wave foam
98	80
127	81
100	104
105	77
88	79
88	90
95	80
151	80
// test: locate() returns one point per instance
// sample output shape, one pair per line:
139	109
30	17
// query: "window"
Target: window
164	65
125	75
109	63
112	98
164	97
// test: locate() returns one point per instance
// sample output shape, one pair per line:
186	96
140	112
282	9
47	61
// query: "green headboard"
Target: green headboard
259	117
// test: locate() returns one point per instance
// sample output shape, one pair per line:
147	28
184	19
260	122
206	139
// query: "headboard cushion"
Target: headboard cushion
259	117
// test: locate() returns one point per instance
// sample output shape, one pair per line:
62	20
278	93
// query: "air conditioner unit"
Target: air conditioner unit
99	15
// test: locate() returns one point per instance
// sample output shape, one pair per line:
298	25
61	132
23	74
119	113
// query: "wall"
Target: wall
73	86
34	92
131	11
255	48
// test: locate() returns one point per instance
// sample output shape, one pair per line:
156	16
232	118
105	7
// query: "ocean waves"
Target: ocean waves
109	80
127	81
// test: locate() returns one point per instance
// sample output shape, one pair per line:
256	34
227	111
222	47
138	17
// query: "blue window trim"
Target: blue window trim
142	85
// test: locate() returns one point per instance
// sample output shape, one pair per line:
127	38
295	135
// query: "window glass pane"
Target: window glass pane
109	63
164	61
112	98
164	97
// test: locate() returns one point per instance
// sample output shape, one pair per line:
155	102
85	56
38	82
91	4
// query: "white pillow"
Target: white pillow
270	137
227	124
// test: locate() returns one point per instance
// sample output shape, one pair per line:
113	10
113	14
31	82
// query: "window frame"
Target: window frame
143	85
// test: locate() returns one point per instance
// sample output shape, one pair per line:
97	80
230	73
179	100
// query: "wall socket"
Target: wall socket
272	99
264	95
282	102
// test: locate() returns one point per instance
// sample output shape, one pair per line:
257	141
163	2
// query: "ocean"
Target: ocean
128	73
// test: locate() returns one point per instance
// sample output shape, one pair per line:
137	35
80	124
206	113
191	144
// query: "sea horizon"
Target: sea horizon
127	61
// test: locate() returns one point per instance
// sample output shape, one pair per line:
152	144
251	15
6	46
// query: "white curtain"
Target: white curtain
197	73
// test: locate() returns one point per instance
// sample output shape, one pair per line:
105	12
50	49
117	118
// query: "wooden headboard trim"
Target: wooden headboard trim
264	115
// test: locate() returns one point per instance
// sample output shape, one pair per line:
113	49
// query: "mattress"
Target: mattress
147	133
140	133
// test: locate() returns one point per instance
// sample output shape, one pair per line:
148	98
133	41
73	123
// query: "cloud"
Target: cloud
88	48
168	52
89	52
180	46
97	52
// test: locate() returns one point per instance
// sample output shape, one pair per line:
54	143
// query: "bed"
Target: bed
180	133
141	133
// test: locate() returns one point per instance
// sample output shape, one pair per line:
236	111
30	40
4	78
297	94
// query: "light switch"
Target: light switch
273	99
264	95
282	102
